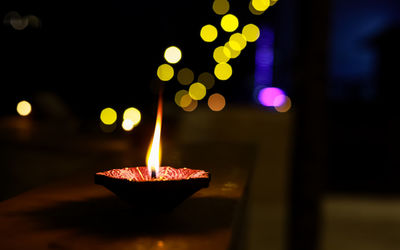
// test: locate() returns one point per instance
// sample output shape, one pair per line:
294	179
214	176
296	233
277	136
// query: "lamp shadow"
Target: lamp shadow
110	217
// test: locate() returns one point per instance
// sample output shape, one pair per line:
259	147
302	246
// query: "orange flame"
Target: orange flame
153	157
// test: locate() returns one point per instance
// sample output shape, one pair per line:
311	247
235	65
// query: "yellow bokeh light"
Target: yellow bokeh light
197	91
179	95
234	53
165	72
254	11
221	54
186	100
237	41
251	32
273	2
223	71
191	107
128	125
108	116
132	114
208	33
24	108
285	106
173	54
220	7
216	102
185	76
206	79
260	5
229	23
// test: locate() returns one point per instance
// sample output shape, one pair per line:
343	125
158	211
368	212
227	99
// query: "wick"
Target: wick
153	174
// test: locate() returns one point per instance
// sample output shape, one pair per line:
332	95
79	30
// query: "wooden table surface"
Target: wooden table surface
77	214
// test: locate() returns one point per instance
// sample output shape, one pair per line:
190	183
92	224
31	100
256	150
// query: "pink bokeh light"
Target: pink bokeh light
271	97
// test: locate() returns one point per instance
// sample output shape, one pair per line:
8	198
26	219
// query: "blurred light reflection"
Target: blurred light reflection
223	71
285	103
206	79
165	72
208	33
229	23
220	7
185	76
271	97
173	54
108	116
216	102
132	114
197	91
24	108
127	124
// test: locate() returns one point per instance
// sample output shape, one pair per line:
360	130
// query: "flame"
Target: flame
153	157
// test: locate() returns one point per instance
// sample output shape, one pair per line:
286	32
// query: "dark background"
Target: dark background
337	60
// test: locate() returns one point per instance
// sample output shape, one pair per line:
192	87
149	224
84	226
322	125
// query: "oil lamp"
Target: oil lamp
154	188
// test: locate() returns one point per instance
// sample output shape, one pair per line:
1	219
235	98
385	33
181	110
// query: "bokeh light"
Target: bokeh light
260	5
223	71
127	124
179	95
237	41
206	79
34	21
234	53
254	11
229	23
270	96
208	33
220	7
16	21
132	114
108	116
173	54
285	103
185	76
165	72
186	100
216	102
192	106
221	54
273	2
197	91
24	108
251	32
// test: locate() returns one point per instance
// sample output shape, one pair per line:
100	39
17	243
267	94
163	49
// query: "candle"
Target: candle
153	187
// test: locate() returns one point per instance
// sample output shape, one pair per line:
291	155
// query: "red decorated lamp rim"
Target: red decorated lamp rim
166	173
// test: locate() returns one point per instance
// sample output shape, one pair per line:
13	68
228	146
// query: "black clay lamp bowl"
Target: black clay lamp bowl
135	186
